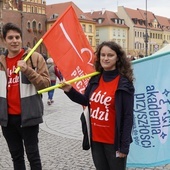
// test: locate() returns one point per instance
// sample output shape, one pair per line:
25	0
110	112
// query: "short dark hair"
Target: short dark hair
10	26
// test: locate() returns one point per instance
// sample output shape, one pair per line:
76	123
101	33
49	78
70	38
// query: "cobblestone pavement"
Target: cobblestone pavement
60	139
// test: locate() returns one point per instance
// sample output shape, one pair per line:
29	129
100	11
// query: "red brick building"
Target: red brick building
29	15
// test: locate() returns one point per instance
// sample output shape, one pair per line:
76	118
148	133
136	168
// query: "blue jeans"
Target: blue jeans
17	138
104	157
51	92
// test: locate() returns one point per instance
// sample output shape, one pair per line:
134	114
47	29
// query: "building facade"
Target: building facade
147	32
29	15
110	28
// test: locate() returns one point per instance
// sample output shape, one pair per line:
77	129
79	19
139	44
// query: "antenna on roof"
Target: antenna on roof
117	5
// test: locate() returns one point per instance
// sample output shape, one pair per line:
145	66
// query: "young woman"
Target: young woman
110	98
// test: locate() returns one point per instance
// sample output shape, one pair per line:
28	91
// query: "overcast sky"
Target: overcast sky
158	7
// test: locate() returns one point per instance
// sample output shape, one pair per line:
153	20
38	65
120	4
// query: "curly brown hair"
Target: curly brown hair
123	65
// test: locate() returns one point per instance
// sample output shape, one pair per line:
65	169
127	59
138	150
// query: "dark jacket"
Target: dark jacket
124	101
34	78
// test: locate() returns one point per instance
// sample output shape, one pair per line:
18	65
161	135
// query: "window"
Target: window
123	22
24	8
100	21
28	8
97	43
84	27
118	32
34	26
32	9
43	10
39	26
123	44
114	34
150	35
123	33
1	25
90	28
35	10
90	41
28	25
97	32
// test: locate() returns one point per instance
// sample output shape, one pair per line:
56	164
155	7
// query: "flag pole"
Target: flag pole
68	82
40	41
29	54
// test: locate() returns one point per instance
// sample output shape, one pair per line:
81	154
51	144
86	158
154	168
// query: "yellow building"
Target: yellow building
110	28
147	32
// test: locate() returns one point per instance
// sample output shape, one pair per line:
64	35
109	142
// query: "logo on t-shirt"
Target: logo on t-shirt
13	79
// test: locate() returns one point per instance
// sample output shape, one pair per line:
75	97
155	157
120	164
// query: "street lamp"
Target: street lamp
146	37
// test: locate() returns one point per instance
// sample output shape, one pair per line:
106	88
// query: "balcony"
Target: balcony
29	29
35	30
40	31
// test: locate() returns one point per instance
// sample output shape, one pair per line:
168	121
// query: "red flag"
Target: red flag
70	49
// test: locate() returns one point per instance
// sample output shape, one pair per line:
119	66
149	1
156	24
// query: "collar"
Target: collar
109	75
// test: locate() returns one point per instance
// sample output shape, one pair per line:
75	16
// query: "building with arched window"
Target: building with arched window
29	15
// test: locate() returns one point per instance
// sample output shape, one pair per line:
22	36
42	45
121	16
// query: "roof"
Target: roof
162	23
108	18
53	11
133	13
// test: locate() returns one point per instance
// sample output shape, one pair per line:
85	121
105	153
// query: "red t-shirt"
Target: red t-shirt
13	91
103	115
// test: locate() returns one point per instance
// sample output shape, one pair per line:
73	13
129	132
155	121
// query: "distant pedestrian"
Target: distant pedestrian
110	98
44	56
132	58
54	74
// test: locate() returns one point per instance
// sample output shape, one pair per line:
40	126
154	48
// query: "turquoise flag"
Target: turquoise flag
151	129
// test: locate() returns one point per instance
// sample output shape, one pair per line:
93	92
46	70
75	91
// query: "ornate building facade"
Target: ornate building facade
29	15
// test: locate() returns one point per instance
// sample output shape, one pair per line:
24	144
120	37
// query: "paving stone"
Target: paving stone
60	139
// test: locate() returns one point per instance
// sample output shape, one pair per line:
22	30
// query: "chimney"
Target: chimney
103	11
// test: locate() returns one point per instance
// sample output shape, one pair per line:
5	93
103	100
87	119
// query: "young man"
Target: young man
21	107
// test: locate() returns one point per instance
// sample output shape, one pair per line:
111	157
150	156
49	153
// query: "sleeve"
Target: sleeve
127	102
77	97
39	75
58	73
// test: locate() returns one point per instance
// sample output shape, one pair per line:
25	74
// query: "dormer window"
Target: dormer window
140	22
134	20
100	21
54	16
82	17
123	22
